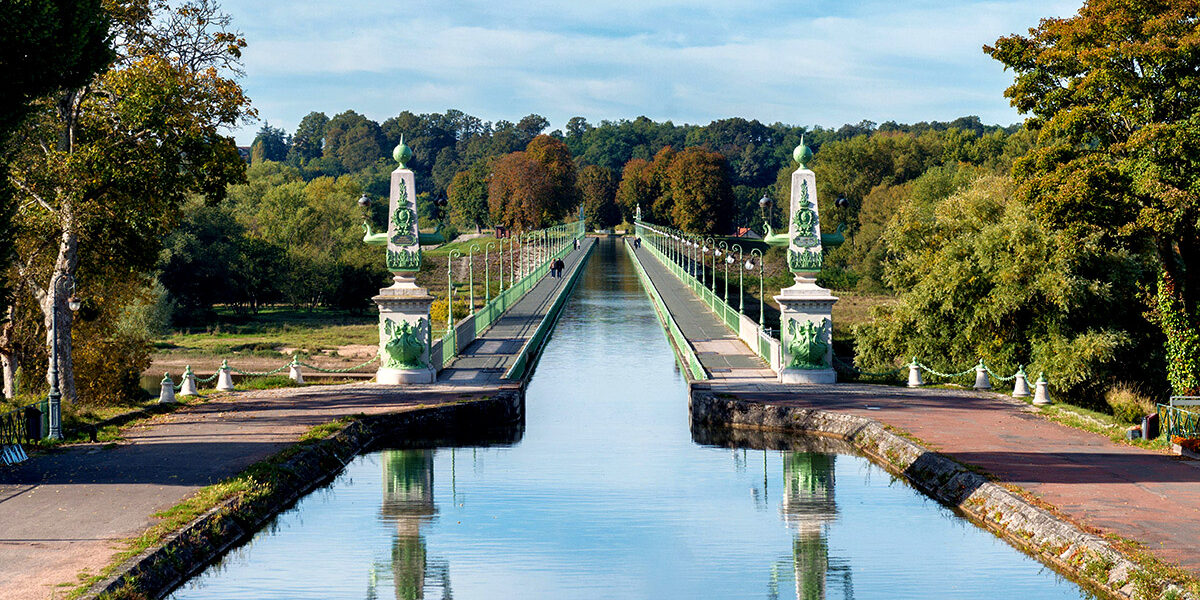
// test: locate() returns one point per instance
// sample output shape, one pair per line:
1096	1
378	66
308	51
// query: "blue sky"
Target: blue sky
812	62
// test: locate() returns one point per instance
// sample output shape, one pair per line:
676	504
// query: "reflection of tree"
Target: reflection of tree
408	503
808	506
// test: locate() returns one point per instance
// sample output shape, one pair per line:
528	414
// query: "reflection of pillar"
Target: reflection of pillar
408	502
808	505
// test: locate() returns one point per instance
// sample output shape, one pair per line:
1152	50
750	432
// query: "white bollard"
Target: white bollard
981	378
1020	385
914	374
166	394
225	379
1040	397
294	371
188	386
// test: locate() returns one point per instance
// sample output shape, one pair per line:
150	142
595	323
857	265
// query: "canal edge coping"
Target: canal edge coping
186	552
1056	541
685	353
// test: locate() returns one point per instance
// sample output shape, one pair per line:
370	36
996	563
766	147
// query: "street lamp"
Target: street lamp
723	248
63	284
450	290
729	260
711	244
764	206
487	274
471	273
762	323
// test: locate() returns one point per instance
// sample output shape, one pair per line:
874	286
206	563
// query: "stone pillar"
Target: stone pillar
188	386
403	308
806	319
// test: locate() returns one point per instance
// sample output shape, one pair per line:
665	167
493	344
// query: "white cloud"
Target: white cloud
668	59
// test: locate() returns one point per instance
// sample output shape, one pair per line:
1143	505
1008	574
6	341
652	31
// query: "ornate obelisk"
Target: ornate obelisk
403	308
805	308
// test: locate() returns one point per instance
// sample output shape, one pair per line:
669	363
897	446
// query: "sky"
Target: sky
805	62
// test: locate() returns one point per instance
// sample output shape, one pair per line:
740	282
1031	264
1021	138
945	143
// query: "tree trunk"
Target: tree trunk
8	359
54	302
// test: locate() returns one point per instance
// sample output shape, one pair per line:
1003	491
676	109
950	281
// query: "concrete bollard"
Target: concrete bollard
294	370
188	386
1040	397
225	378
981	378
914	374
1020	385
166	394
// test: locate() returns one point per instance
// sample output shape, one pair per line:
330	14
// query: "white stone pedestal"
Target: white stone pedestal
806	306
403	303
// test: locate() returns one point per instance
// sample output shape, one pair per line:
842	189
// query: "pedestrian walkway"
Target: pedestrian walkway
722	353
489	357
68	510
1150	497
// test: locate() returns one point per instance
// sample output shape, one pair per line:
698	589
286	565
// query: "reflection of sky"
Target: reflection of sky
811	62
607	497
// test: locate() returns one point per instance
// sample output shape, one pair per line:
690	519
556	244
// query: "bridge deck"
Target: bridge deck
722	353
486	359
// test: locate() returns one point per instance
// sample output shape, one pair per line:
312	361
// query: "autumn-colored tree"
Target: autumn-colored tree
1112	94
554	155
700	191
519	192
109	162
598	187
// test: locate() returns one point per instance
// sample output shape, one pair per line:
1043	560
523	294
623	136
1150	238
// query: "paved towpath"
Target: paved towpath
486	359
722	353
1149	497
66	511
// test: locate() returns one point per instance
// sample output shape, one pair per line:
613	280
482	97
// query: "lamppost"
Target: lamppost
63	284
728	260
512	260
722	248
471	273
450	290
762	323
764	206
487	274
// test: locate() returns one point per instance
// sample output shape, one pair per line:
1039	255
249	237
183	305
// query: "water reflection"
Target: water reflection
408	504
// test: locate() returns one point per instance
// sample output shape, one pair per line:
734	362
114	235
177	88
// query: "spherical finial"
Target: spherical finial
402	153
802	154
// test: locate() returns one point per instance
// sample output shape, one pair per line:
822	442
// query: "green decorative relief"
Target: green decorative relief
804	261
405	344
807	346
403	220
403	260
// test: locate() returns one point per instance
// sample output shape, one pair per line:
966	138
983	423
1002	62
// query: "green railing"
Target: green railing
525	357
443	351
765	348
686	355
1176	422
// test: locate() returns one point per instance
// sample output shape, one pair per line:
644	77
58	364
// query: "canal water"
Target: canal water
606	495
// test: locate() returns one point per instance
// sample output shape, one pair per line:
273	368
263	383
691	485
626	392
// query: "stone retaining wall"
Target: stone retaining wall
158	570
1057	542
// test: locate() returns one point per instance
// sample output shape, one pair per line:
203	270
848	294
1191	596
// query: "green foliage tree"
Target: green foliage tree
468	196
354	142
111	161
45	46
271	143
702	196
598	188
982	277
309	139
1111	93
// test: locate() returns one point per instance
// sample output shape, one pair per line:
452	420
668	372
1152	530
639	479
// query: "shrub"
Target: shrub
268	383
1128	404
437	312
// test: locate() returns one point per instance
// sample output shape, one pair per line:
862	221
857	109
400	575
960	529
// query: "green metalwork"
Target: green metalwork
802	154
403	221
450	290
374	239
1176	422
689	362
487	273
807	346
471	275
403	259
405	345
345	370
762	291
402	153
804	261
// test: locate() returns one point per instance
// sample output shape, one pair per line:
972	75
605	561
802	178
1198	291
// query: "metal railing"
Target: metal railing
1176	422
23	425
689	361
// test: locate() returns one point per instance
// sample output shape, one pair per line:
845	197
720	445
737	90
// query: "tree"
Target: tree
1111	93
519	192
354	141
468	195
271	143
111	161
45	46
598	187
700	190
309	138
554	155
